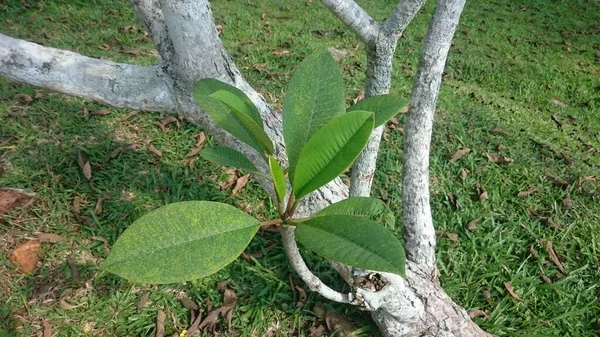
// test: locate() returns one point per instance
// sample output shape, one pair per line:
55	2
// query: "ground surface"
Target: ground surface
522	82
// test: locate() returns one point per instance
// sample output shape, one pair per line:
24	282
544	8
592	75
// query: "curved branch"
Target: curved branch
419	233
313	282
401	16
118	84
353	16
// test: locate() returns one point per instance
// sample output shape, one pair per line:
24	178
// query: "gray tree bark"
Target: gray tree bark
186	38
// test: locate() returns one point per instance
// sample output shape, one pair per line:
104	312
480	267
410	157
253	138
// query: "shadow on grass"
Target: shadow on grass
44	139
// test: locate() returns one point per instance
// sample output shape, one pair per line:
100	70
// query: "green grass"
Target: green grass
508	62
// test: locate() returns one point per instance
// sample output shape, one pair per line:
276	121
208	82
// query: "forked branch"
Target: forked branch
353	16
401	16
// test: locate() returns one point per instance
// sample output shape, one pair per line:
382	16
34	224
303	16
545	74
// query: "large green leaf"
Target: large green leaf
221	114
180	242
384	106
278	178
371	208
226	156
353	240
314	96
237	108
331	151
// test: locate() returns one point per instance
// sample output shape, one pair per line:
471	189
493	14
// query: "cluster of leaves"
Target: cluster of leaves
192	239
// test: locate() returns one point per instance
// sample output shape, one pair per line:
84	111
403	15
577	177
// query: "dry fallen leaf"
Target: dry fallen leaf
454	201
464	173
558	102
84	164
500	131
496	158
143	301
567	203
487	295
552	254
545	278
160	324
193	152
460	153
14	198
472	225
154	150
451	236
131	115
200	139
359	97
511	291
481	193
281	52
524	194
301	296
316	330
240	184
533	252
101	112
114	153
26	256
170	119
226	310
98	208
50	238
338	324
232	177
188	303
478	313
134	52
76	205
23	98
47	329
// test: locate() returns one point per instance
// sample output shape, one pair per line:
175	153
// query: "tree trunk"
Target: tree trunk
186	38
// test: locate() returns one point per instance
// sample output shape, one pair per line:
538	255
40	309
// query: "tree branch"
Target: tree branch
197	49
353	16
419	232
149	12
313	282
116	84
401	16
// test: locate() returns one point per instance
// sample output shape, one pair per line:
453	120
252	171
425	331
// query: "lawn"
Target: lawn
521	91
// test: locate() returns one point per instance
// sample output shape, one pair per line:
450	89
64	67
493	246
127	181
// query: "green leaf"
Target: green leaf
314	96
221	114
255	129
353	240
331	151
278	178
370	208
226	156
235	97
180	242
384	106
